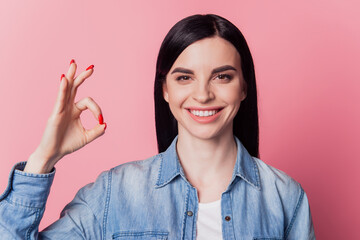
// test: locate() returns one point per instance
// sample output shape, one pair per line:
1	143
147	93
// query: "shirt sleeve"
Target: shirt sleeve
301	225
23	203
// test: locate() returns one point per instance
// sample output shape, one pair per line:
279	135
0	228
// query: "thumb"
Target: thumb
96	132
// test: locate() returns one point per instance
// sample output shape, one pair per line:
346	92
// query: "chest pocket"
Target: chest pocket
134	235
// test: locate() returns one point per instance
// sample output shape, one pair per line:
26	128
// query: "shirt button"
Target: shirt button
227	218
189	213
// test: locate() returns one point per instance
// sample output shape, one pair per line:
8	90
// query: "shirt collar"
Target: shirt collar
245	166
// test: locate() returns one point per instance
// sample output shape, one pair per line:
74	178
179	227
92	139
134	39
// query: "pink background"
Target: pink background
306	58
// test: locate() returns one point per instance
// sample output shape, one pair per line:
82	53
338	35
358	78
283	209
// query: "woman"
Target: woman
206	182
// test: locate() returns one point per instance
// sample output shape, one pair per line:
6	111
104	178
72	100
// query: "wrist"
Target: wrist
38	164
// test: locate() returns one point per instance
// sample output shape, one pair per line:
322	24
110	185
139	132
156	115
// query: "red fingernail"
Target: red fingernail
101	119
90	67
72	61
105	126
62	75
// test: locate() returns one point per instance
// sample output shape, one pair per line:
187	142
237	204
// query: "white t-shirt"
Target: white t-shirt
208	222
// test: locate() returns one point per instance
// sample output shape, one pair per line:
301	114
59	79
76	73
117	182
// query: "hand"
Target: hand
64	132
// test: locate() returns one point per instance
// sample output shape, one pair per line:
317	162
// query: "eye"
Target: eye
180	78
225	77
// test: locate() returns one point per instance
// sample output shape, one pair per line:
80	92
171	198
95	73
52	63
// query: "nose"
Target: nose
203	92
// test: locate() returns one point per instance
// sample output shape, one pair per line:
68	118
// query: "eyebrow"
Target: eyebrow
215	70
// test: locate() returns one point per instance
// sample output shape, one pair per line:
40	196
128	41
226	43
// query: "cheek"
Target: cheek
231	95
177	95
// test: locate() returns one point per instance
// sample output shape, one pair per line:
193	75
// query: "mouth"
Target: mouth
204	113
205	116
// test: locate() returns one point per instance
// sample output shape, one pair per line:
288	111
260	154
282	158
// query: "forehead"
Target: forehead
208	53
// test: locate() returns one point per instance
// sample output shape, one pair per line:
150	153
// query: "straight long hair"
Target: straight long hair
181	35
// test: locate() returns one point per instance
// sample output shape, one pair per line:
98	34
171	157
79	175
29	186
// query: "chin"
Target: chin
205	134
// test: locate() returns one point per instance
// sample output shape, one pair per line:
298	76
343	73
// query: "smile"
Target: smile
204	116
200	113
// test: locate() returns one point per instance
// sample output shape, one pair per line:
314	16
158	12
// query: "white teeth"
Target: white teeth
203	113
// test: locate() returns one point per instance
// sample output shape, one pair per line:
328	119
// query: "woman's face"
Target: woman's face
204	88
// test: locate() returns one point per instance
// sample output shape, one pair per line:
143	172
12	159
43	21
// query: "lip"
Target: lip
205	108
207	119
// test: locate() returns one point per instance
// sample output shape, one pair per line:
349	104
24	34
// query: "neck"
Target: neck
207	160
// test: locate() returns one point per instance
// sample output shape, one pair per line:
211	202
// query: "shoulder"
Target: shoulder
140	174
145	167
279	186
130	171
270	175
124	177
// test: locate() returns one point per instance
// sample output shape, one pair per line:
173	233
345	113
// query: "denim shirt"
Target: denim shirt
152	199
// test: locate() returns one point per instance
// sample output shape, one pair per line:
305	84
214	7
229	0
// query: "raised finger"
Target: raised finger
62	96
70	76
80	79
71	71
